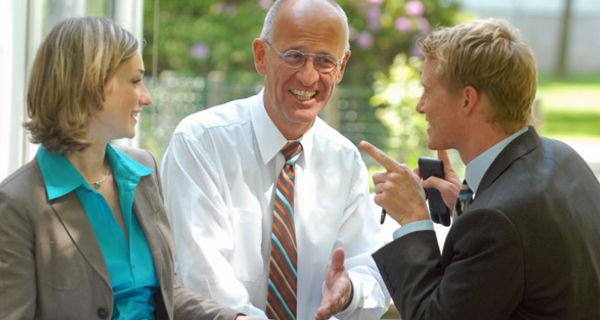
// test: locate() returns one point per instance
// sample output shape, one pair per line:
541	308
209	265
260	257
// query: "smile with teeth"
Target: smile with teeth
303	95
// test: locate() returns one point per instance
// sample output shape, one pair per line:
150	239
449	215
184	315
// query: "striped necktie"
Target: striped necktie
465	197
281	298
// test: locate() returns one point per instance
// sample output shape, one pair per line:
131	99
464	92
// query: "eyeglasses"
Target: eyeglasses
295	59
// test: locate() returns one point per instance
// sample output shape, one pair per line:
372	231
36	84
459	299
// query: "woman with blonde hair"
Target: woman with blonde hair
83	230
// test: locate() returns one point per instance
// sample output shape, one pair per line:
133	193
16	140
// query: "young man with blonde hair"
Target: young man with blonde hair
526	243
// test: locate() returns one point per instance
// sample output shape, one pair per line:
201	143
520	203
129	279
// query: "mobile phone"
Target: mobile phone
437	208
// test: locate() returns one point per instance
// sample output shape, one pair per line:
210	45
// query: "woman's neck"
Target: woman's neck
90	162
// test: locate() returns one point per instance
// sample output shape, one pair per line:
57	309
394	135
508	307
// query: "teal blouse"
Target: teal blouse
128	260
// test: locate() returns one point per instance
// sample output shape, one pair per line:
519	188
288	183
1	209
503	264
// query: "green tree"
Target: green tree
396	95
196	37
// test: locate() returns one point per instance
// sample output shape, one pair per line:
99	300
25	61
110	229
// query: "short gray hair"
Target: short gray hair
267	29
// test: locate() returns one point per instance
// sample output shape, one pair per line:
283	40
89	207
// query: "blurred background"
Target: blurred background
198	54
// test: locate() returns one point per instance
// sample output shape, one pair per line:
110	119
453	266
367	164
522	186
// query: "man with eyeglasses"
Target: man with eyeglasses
269	205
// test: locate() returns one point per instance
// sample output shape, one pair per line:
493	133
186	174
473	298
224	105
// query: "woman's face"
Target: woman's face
125	96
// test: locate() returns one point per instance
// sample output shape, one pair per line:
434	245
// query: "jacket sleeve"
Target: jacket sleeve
479	273
188	305
17	263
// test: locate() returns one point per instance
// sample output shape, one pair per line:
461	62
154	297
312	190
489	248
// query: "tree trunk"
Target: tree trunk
561	68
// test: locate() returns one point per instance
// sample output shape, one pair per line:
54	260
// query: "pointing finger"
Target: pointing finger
383	159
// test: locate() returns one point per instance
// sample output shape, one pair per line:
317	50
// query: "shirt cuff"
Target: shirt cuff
421	225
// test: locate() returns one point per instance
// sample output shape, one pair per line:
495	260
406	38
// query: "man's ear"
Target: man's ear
342	67
470	99
258	48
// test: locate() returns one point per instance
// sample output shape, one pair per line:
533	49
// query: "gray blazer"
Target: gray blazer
528	247
51	265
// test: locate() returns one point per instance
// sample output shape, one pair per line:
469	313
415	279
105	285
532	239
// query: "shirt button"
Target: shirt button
102	313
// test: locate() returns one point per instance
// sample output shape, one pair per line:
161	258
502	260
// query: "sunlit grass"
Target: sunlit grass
571	107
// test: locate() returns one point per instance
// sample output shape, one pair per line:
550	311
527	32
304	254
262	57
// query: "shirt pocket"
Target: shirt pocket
246	258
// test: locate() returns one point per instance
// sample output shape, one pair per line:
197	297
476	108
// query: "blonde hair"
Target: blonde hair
489	56
68	76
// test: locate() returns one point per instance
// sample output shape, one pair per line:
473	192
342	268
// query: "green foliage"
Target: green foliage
196	37
396	96
381	29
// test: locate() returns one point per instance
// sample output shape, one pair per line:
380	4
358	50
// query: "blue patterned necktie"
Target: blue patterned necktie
465	197
282	285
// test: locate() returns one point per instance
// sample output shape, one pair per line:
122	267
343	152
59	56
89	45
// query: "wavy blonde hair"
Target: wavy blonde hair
489	56
67	79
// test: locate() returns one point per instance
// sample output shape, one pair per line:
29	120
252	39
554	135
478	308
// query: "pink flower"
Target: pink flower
364	40
414	8
402	24
200	51
373	16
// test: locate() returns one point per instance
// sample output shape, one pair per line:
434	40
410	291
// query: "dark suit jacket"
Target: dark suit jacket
527	248
51	265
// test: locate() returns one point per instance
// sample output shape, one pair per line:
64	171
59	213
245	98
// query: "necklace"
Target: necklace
98	183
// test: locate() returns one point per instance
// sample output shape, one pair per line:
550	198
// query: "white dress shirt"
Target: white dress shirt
218	175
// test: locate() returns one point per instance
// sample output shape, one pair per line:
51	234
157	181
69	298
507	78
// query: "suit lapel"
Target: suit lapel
522	145
69	211
145	209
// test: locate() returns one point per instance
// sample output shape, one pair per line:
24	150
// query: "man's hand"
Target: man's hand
449	186
338	288
398	190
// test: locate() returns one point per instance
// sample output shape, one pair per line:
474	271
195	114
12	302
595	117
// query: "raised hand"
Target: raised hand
338	288
449	186
398	190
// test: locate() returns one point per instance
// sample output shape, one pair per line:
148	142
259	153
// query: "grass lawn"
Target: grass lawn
571	107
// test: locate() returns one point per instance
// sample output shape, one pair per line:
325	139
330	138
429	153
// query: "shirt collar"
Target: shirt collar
477	167
269	138
123	166
61	177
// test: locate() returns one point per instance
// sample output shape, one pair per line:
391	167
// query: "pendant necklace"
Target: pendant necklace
98	183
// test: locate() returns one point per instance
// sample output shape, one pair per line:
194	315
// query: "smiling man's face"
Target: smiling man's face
294	97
